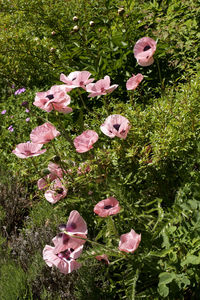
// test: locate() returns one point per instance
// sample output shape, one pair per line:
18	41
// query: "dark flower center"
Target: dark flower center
50	97
116	126
147	47
108	206
71	226
59	191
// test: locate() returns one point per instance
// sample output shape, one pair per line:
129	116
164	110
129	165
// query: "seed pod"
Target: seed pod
91	23
75	19
121	11
75	28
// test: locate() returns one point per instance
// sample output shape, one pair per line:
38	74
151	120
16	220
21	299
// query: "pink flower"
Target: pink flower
107	207
55	192
28	149
134	81
3	112
129	242
116	125
43	183
10	128
101	87
55	169
84	142
144	50
27	119
55	98
76	225
44	133
63	255
77	79
103	258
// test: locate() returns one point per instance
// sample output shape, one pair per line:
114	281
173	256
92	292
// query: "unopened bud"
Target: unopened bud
75	28
91	23
121	11
75	18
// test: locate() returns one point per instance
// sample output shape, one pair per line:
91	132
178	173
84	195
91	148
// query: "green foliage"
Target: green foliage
154	172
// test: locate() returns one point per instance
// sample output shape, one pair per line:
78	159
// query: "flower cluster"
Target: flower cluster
68	245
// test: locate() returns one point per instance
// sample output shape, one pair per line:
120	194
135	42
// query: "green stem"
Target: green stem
161	81
84	105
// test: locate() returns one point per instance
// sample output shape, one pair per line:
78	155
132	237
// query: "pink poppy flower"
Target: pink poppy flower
129	242
103	258
77	79
55	192
63	255
101	87
84	142
43	183
134	81
44	134
107	207
55	98
144	50
76	225
116	125
25	150
55	169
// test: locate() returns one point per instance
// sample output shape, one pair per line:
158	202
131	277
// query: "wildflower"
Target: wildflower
43	183
24	103
3	112
55	192
27	119
77	79
116	125
101	87
54	99
27	110
76	225
19	91
107	207
63	255
55	169
144	50
103	258
134	81
44	133
10	128
84	142
25	150
129	242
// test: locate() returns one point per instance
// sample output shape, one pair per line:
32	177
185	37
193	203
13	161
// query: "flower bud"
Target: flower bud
75	28
75	19
91	23
53	33
121	11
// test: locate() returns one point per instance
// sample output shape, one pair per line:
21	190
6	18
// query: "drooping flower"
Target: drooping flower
116	125
19	91
56	191
54	99
44	133
101	87
25	150
85	141
3	112
63	255
134	81
129	242
44	183
55	169
77	79
107	207
144	50
103	258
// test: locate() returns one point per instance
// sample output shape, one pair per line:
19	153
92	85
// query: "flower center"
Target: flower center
116	126
108	206
59	191
71	227
147	47
50	97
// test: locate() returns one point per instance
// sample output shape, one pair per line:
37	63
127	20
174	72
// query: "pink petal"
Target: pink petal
134	81
129	242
